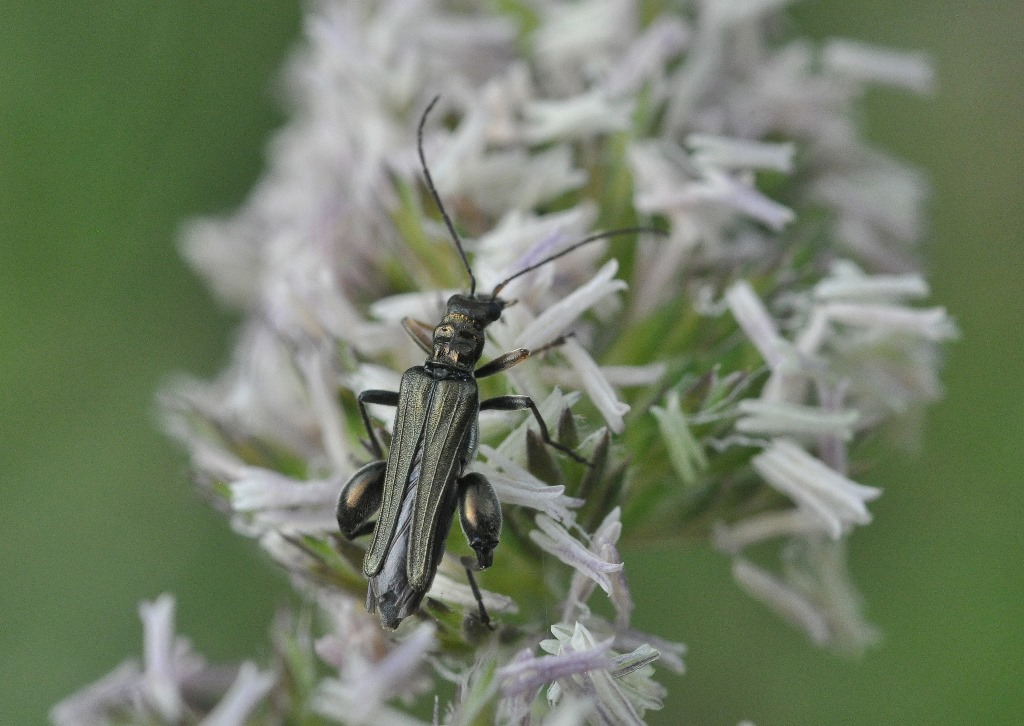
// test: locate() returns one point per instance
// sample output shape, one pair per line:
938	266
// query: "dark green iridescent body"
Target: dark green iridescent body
434	439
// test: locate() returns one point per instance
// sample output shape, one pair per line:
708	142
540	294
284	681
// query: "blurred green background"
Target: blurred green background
118	120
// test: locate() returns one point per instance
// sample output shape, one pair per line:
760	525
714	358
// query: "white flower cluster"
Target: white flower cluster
556	118
857	354
171	676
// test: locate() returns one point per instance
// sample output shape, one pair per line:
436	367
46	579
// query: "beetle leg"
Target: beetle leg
518	403
503	362
480	516
470	566
422	333
360	498
560	340
384	398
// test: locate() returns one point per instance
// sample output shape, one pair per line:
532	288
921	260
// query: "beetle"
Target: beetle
421	482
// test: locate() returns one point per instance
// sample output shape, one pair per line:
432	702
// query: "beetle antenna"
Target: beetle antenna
576	245
437	197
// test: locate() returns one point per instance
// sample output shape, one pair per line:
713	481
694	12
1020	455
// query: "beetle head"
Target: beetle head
459	337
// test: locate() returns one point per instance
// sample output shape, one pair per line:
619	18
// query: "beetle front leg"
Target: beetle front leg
360	498
513	358
420	332
518	403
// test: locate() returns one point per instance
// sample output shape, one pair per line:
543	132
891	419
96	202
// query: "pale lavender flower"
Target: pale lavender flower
603	544
597	386
528	674
758	325
709	374
163	666
91	704
249	688
863	63
814	593
618	687
165	689
792	419
451	592
823	390
581	116
515	485
551	537
784	599
359	697
560	316
732	539
838	502
265	500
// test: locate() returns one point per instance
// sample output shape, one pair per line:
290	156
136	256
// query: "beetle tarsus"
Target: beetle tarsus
469	565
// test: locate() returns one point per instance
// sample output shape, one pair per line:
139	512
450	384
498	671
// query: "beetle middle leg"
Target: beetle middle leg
518	403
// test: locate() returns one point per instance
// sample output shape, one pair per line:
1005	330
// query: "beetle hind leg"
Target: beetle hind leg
360	498
470	566
480	516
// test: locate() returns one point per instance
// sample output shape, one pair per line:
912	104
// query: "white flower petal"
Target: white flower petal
578	117
515	485
870	64
838	501
785	600
160	684
597	387
88	707
756	322
847	283
728	153
733	538
265	489
781	418
646	58
744	198
362	700
602	544
552	538
455	593
558	318
931	324
249	688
